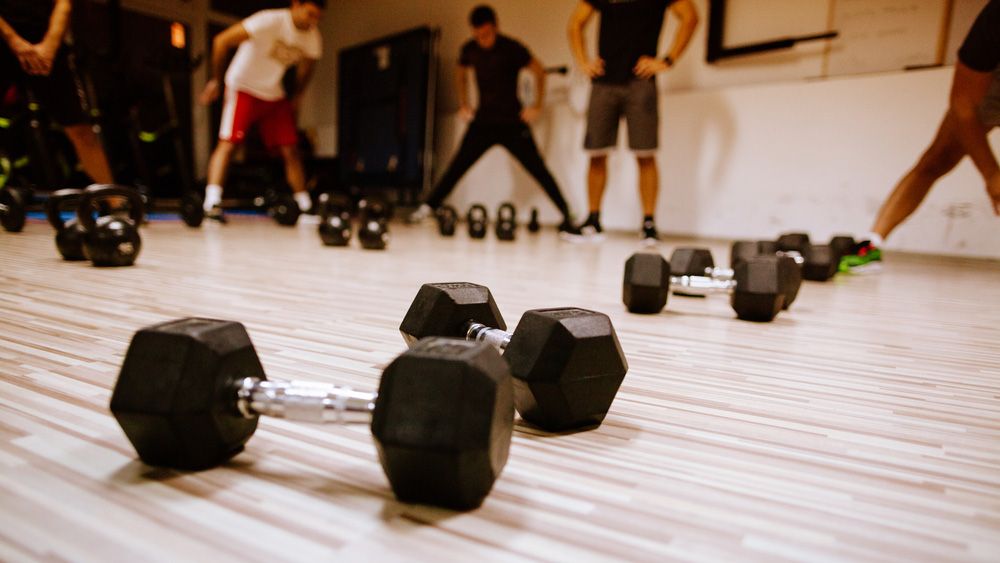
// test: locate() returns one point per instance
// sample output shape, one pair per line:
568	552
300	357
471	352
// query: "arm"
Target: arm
968	90
58	22
221	47
25	52
577	23
686	12
536	69
462	86
303	74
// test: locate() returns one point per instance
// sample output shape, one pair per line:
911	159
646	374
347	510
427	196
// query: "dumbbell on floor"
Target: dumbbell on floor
756	291
821	260
567	363
699	262
190	393
13	204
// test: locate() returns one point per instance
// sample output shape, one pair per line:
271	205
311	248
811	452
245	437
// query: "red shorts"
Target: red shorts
275	119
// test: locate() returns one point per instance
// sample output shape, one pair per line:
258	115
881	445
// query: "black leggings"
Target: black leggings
517	139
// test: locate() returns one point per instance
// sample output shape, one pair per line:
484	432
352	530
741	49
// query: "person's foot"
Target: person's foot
591	229
216	214
423	212
569	232
865	257
649	235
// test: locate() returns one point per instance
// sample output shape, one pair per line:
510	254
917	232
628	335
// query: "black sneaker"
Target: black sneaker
569	232
591	229
216	214
649	234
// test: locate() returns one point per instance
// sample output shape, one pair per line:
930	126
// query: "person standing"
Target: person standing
267	44
973	110
500	119
623	85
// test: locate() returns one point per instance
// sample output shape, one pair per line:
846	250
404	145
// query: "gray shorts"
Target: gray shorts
989	111
637	101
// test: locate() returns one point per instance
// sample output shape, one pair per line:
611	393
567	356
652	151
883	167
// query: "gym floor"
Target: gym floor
862	424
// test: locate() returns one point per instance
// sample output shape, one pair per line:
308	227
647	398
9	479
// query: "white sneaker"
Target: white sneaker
422	213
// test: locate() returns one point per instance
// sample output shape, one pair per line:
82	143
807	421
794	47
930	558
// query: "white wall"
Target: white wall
775	153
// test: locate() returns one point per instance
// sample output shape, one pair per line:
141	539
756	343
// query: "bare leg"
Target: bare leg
649	183
91	153
219	162
294	171
597	178
941	157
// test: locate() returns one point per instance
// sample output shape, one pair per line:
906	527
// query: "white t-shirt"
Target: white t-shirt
274	45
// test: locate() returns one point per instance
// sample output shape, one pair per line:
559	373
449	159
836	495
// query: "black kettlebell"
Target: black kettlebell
110	240
335	220
447	218
13	202
285	211
192	209
506	226
476	217
374	230
69	234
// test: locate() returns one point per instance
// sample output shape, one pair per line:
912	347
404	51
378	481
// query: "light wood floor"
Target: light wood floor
862	425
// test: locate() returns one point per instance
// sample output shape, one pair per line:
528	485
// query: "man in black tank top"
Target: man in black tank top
623	85
33	58
499	120
973	112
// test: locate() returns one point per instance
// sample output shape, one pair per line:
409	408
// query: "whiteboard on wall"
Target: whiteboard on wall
878	35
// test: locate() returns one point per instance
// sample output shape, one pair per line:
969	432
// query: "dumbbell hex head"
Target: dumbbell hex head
443	422
646	285
172	398
443	309
760	293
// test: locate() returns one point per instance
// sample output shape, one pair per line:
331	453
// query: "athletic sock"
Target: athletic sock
875	239
213	196
305	202
648	219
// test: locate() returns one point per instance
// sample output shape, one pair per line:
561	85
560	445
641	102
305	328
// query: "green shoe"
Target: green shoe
864	257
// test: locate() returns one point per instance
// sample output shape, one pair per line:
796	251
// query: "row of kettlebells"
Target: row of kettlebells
110	240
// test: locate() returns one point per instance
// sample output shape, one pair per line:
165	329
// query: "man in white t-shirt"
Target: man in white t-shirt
267	44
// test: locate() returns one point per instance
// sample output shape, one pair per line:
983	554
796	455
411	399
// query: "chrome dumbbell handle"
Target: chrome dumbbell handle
303	401
701	285
477	332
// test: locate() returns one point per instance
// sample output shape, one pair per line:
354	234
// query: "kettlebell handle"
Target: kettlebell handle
85	212
54	205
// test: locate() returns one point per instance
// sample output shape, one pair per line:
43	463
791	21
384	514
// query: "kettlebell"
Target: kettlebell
447	218
335	220
374	230
13	202
69	234
506	226
477	218
110	240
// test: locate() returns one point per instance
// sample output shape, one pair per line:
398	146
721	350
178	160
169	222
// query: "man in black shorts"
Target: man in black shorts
33	58
624	85
973	111
500	119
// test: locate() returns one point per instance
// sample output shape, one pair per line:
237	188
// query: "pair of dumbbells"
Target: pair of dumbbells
442	417
821	261
506	224
13	208
757	286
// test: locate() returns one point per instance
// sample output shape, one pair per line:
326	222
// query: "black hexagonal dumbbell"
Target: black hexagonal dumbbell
567	363
190	392
821	261
699	262
756	290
